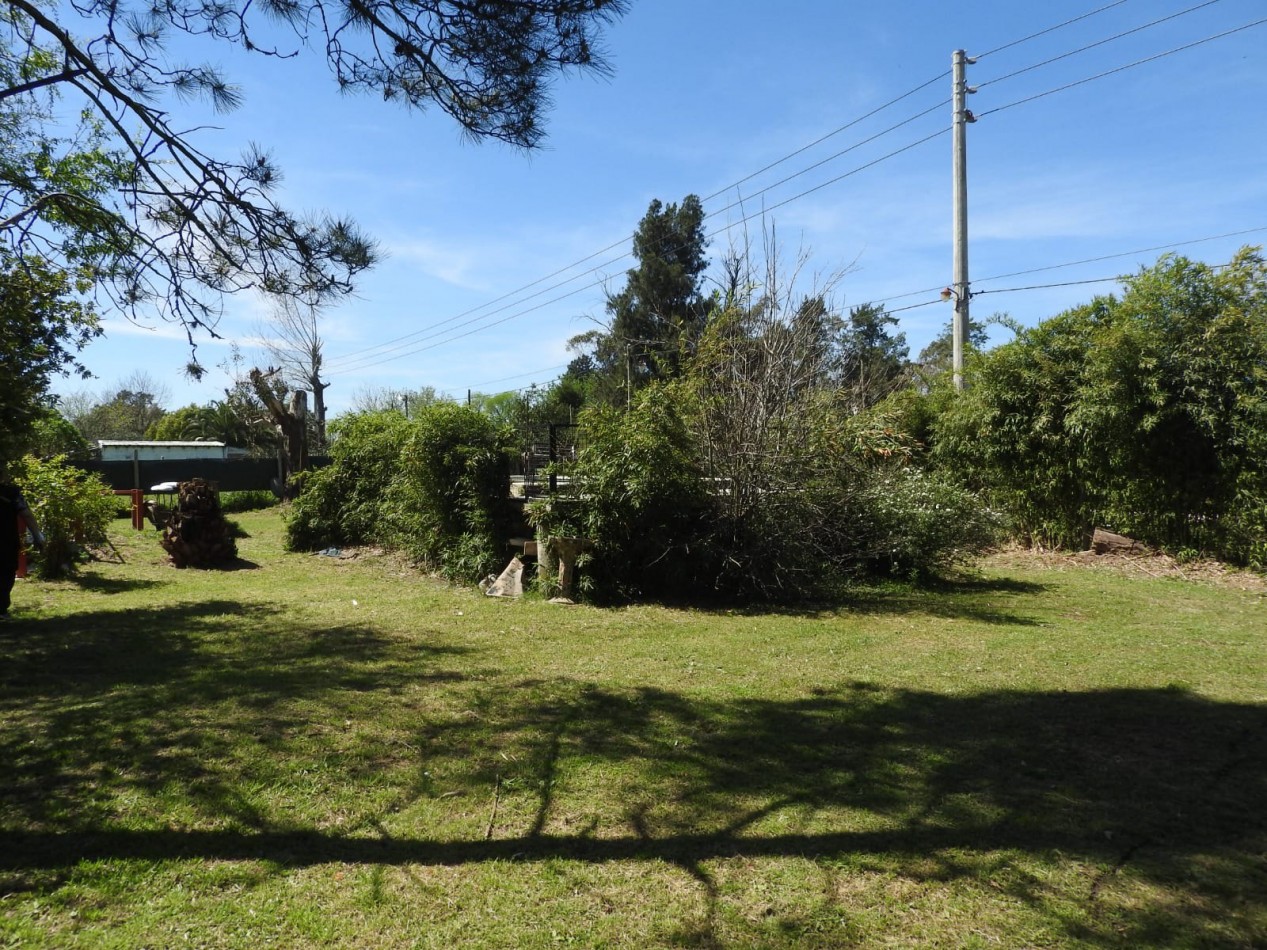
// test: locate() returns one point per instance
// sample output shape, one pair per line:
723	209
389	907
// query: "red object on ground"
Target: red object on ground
138	505
21	549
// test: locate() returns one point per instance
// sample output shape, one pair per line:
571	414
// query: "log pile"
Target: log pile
197	533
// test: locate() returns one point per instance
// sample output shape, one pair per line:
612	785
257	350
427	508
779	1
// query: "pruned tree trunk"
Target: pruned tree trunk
290	422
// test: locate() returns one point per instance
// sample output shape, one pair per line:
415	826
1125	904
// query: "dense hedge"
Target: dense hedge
665	523
1146	415
436	486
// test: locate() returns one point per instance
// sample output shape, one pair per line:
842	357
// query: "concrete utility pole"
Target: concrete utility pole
962	116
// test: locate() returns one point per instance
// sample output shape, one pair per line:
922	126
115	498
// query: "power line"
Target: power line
344	363
914	306
384	352
1118	69
1050	29
1109	257
1083	49
506	379
1066	283
830	158
622	241
939	77
358	364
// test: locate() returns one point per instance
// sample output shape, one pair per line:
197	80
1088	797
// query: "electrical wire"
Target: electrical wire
818	141
362	359
344	363
1083	49
1109	257
1085	260
364	363
1066	283
1118	69
1050	29
626	239
506	379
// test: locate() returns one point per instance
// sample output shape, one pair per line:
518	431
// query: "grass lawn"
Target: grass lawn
310	751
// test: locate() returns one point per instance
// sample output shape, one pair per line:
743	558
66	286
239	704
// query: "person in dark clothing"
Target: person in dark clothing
15	519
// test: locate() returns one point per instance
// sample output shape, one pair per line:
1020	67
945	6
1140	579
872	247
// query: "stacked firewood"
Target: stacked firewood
197	533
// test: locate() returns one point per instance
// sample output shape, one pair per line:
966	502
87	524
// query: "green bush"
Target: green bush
841	501
236	501
1146	415
922	524
74	509
344	502
436	487
451	496
637	493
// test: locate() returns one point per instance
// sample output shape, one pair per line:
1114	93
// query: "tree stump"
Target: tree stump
197	534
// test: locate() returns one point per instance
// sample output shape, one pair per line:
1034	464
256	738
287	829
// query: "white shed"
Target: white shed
125	450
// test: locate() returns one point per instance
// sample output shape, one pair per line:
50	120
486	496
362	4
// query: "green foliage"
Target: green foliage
176	425
655	318
340	504
640	497
436	486
127	412
454	491
43	324
1147	415
872	360
937	357
73	509
661	309
753	479
923	524
53	434
235	501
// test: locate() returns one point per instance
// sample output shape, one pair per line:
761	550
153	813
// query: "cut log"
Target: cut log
1106	542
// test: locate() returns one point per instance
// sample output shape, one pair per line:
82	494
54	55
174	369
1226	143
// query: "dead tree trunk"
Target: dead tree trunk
290	422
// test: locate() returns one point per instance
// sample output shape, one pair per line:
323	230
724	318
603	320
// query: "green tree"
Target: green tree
936	358
217	421
43	325
176	425
388	399
98	172
73	508
871	359
53	434
659	313
126	412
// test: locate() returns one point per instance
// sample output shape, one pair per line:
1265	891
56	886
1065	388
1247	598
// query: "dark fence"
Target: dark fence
542	447
227	474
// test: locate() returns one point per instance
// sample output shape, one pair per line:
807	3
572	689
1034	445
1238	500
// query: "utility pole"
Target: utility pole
962	294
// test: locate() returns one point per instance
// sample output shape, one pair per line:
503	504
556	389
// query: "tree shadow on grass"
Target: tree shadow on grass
187	702
113	585
999	788
977	599
237	564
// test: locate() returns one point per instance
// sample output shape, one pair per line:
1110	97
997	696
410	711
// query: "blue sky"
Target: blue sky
704	94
